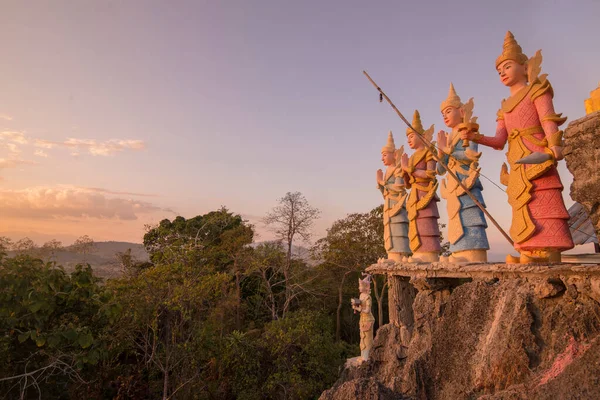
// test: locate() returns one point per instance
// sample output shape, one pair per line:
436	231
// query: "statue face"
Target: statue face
452	116
362	288
388	158
413	141
511	73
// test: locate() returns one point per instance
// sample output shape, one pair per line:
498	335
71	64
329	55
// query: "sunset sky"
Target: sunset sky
117	114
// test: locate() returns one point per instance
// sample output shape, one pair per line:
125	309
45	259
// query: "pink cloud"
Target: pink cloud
94	147
46	144
14	136
75	202
107	191
13	149
14	162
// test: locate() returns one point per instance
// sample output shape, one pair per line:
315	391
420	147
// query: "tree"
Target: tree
166	309
129	264
380	295
292	218
5	245
25	246
84	245
268	261
173	241
195	241
203	320
236	244
49	249
180	309
52	326
291	358
352	244
303	357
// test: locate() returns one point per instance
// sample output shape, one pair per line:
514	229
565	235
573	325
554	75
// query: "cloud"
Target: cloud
6	117
45	144
74	202
14	136
106	148
40	153
13	149
107	191
14	162
109	147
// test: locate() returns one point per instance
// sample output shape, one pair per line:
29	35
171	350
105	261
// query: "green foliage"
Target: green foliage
241	363
50	318
5	246
294	358
84	245
291	219
445	251
169	312
304	357
352	244
355	241
208	317
130	265
203	240
25	246
266	293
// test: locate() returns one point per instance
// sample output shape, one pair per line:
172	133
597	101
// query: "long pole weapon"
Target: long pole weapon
429	145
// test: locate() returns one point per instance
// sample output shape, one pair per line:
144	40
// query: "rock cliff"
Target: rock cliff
582	154
525	337
492	331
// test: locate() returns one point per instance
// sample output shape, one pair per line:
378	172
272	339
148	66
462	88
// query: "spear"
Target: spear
429	145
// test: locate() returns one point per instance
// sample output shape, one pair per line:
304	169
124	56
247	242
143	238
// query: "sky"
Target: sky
117	114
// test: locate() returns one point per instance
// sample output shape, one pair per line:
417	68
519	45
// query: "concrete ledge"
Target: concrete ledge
483	270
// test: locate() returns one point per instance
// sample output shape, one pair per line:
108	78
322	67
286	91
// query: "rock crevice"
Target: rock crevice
582	155
503	340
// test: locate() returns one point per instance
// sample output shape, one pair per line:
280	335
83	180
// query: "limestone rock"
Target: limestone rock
549	288
363	388
479	341
595	289
582	155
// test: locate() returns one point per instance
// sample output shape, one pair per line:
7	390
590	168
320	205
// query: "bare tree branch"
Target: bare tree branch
293	217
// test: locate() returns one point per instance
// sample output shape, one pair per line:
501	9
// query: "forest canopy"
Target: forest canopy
213	314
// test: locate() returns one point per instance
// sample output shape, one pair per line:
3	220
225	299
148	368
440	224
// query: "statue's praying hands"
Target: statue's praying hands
442	139
380	177
404	162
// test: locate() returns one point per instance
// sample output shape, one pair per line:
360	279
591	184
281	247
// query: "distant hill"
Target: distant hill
103	258
300	252
107	250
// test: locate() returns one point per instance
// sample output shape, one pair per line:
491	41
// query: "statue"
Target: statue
419	174
363	306
528	122
466	222
593	103
391	185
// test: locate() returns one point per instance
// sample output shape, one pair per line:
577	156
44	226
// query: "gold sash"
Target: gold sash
413	205
518	180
